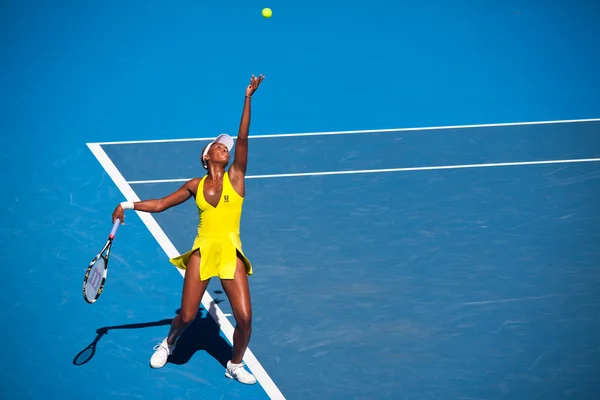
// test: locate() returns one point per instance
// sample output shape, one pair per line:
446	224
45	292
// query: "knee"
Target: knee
244	322
187	317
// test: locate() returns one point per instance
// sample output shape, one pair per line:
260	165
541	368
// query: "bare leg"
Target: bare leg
238	292
193	290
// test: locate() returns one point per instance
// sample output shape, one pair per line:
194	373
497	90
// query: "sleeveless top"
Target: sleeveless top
223	219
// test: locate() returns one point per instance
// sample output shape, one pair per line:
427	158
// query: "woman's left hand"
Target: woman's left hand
254	83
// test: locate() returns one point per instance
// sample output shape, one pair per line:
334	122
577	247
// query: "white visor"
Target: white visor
222	138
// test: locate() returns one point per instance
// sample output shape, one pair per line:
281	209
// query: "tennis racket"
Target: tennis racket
95	275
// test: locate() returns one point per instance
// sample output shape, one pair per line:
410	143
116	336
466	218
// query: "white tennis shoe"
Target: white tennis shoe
237	371
161	354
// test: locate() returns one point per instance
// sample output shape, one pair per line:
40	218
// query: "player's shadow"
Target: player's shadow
202	334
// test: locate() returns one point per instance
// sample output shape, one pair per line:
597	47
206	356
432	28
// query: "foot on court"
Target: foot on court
161	354
237	371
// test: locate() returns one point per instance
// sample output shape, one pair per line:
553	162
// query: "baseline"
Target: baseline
429	128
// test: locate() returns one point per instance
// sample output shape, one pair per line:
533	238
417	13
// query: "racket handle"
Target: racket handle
113	232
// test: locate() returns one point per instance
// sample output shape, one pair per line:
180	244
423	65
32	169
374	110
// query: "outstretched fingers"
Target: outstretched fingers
254	83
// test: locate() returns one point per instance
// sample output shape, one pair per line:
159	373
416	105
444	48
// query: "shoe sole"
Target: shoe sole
227	374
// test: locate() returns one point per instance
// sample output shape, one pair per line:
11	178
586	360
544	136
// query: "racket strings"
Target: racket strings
94	279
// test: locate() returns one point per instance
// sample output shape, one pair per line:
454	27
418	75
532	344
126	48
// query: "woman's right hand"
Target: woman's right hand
118	213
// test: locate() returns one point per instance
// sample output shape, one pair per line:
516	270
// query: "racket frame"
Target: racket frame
106	248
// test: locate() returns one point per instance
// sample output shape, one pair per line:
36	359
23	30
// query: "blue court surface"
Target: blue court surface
421	210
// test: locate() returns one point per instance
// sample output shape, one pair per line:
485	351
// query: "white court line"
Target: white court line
261	375
567	121
370	171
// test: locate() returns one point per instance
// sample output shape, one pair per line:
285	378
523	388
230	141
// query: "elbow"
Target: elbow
160	206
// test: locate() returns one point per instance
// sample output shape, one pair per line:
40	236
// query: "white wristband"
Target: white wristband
127	205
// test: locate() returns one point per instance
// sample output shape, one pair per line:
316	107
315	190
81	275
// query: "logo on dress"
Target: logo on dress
226	197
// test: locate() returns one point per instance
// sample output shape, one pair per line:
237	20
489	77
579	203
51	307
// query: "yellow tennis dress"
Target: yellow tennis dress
218	236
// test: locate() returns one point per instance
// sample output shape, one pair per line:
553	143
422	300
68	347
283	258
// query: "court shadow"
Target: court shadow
85	355
203	334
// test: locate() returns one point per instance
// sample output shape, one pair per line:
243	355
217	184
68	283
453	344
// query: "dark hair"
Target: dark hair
202	160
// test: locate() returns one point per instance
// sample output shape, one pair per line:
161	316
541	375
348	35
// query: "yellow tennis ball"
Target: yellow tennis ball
266	12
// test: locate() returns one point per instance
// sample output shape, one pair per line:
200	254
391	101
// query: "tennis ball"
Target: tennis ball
266	12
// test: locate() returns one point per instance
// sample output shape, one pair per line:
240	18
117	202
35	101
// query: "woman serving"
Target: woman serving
217	249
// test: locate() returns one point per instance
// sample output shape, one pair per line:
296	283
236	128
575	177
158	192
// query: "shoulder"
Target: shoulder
236	180
194	181
235	173
192	185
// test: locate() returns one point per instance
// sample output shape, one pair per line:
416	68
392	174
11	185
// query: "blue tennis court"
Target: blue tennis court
421	210
456	260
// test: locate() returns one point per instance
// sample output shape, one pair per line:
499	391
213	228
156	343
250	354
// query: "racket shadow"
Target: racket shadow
204	334
85	355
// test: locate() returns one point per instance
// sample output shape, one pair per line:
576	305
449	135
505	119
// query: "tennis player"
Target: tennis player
217	249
